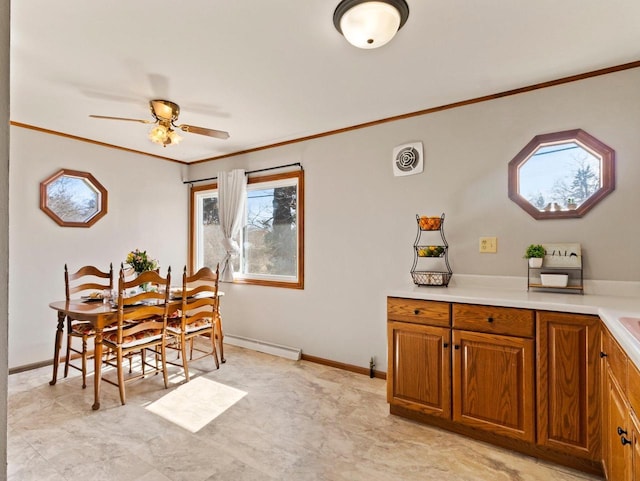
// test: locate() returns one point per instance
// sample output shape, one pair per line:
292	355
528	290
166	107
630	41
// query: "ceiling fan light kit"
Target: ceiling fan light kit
164	135
166	114
368	23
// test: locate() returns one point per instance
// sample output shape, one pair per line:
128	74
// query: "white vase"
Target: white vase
535	262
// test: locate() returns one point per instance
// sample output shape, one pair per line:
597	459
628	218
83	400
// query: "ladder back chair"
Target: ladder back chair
199	317
86	280
141	327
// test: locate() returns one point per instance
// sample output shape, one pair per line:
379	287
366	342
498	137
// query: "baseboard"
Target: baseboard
287	352
29	367
345	367
49	362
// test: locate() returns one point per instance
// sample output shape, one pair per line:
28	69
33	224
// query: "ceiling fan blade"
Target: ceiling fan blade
122	118
218	134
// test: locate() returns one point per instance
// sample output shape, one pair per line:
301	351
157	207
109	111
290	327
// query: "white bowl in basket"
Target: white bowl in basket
554	280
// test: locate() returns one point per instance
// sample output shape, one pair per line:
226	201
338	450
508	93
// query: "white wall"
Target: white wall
147	209
4	227
360	220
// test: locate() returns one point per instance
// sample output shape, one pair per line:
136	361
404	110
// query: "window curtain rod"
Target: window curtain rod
297	164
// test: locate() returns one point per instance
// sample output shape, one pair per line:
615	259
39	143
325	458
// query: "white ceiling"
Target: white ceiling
276	70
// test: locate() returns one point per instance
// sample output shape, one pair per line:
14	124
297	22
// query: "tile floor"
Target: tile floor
298	421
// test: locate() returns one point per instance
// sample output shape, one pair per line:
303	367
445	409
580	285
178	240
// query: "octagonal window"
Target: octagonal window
561	175
73	198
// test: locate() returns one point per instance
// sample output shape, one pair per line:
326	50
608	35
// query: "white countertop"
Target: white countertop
610	308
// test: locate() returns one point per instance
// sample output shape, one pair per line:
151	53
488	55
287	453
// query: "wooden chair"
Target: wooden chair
199	317
86	280
141	327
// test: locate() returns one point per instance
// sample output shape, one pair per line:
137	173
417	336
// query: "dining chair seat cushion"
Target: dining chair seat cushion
83	329
175	325
86	329
134	339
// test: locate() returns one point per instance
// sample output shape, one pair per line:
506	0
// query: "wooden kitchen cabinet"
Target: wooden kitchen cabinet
493	374
635	447
493	369
419	340
633	395
493	382
420	374
520	379
618	456
568	383
621	405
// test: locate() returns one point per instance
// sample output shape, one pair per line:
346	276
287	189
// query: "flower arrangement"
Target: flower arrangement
141	262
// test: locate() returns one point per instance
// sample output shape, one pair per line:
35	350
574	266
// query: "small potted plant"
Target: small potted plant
535	254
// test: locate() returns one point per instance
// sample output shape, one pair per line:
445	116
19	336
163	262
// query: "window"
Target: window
271	243
73	198
561	175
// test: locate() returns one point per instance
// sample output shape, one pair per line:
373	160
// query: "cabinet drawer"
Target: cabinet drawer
495	320
418	311
616	360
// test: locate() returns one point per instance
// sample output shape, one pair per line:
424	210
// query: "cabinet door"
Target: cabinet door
493	380
618	455
633	396
635	447
419	377
604	387
568	383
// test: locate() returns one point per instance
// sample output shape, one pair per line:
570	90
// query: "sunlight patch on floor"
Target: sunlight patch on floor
196	403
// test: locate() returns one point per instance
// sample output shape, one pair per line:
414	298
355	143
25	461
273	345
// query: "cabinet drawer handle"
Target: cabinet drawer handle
603	354
489	319
624	440
416	311
621	431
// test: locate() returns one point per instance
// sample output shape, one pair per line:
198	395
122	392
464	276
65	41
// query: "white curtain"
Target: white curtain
232	192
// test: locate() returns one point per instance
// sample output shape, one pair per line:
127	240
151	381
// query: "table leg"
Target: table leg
97	370
57	347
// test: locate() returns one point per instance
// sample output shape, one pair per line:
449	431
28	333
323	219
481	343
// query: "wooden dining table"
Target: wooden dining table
99	314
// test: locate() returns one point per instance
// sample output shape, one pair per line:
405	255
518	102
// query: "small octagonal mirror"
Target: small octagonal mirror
73	198
561	175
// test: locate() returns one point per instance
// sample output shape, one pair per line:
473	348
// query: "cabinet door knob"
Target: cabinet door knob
445	345
603	354
456	346
621	431
489	319
416	311
624	440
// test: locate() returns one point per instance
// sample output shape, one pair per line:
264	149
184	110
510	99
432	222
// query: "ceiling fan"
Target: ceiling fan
166	114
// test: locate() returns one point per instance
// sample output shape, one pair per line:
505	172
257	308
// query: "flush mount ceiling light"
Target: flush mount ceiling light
370	24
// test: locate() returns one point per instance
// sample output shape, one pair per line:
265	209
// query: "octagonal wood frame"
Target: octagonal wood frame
102	211
585	140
